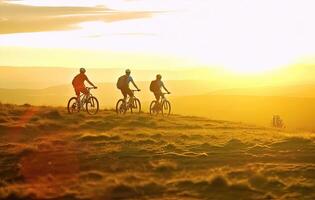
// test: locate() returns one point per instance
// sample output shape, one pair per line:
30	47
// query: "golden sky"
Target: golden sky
245	36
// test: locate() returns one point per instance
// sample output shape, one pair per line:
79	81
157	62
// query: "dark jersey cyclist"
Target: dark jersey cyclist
123	84
156	87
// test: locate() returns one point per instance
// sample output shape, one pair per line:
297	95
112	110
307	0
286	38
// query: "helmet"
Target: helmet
128	71
158	76
82	70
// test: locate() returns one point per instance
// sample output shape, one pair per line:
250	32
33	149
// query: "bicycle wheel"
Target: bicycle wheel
92	105
154	110
120	107
136	106
166	108
73	105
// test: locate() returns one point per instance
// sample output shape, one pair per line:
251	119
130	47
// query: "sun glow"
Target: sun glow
237	36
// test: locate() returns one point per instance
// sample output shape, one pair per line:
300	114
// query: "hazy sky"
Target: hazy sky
241	35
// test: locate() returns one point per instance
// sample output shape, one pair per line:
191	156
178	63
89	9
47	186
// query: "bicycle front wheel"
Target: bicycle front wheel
136	106
92	105
73	105
166	108
120	107
154	110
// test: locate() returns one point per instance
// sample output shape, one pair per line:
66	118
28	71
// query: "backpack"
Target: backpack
154	86
122	82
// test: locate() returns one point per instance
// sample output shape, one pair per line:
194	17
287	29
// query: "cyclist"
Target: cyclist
123	84
78	84
156	86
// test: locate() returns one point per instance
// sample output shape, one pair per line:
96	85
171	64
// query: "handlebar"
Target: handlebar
90	88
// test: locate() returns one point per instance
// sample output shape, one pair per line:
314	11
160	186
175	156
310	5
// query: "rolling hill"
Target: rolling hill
48	154
44	77
107	93
295	104
307	91
220	98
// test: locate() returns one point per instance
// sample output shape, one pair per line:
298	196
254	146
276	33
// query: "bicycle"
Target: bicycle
87	102
163	106
131	104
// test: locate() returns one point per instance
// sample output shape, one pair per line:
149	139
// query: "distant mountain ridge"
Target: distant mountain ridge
307	91
43	77
107	93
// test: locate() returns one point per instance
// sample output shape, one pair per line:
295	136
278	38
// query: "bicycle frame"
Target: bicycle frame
84	97
128	100
163	98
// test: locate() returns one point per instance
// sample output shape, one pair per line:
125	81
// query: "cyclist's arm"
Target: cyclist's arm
163	86
165	89
134	84
90	82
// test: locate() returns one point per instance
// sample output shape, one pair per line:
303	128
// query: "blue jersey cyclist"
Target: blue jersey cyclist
123	84
156	87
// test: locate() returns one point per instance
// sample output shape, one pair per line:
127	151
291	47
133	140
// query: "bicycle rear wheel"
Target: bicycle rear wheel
166	108
120	107
92	105
154	110
73	105
136	106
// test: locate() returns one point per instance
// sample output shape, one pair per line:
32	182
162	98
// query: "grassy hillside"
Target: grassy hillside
48	154
296	112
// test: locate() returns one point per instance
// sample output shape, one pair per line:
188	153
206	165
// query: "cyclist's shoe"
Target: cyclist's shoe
95	87
138	90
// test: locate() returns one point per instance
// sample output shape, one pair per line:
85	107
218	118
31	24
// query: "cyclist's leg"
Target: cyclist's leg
130	93
85	92
124	93
77	93
157	96
160	94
